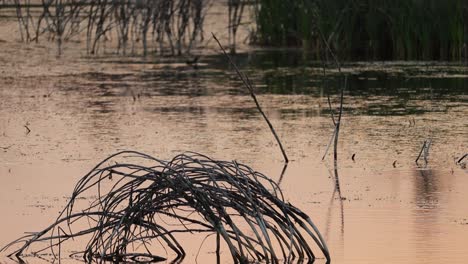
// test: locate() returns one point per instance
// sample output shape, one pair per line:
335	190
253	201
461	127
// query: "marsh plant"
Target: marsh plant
164	26
364	29
355	29
139	205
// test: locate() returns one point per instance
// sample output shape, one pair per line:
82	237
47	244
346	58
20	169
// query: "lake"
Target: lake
60	116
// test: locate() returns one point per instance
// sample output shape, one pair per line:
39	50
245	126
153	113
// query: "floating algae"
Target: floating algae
242	207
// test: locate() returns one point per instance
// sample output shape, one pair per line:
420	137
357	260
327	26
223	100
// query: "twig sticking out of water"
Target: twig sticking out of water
248	84
337	123
27	129
460	162
283	171
424	151
329	143
243	208
462	158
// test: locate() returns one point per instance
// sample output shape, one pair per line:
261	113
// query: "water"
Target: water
80	110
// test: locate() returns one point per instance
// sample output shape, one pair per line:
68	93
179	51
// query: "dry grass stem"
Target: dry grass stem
141	204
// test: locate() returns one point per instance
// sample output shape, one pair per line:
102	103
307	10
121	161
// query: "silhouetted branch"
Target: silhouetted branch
462	158
248	84
283	171
199	194
424	152
338	123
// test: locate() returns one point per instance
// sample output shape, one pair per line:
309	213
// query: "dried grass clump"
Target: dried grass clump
128	217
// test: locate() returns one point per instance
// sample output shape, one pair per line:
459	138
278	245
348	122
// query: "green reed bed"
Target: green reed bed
134	192
365	29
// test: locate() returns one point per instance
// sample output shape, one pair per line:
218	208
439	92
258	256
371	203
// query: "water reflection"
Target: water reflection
291	71
427	212
426	184
387	89
336	196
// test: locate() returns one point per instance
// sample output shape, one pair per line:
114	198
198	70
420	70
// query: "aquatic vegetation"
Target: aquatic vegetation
357	29
286	23
363	29
158	25
140	199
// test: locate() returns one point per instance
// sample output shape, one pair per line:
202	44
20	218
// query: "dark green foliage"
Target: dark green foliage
285	22
369	29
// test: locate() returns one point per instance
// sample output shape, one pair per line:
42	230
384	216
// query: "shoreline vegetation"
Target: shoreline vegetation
353	30
369	30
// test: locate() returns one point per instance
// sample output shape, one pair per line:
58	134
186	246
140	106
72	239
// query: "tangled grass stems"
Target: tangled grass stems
242	207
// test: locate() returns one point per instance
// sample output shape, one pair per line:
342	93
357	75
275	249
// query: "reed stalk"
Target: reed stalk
368	30
162	24
133	193
248	84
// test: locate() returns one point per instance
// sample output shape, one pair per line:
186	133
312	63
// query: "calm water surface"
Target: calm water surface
81	110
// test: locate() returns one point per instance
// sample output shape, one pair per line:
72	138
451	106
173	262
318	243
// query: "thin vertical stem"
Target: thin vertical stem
421	152
249	86
338	123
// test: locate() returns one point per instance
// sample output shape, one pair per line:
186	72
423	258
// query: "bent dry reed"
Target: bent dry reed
140	204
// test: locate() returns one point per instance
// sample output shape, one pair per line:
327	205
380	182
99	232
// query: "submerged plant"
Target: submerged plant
196	194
